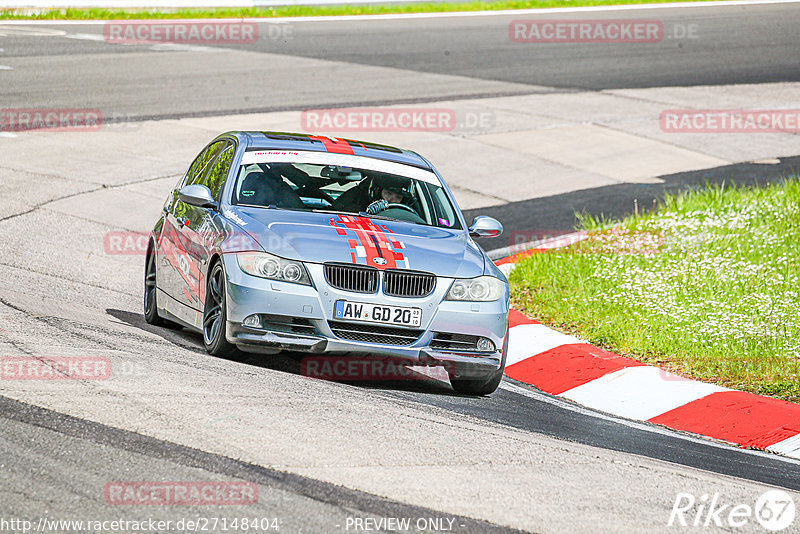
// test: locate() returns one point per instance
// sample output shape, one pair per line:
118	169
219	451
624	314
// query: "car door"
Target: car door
200	227
177	275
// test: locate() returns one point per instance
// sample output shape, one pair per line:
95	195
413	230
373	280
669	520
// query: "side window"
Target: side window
444	211
202	161
186	180
179	209
215	178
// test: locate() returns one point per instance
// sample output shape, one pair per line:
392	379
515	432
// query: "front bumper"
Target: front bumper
313	306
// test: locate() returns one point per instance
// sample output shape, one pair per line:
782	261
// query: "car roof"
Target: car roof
320	143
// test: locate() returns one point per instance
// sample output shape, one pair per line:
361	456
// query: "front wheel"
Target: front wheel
215	314
468	386
484	385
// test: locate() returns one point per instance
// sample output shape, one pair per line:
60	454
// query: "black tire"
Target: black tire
150	289
481	386
215	315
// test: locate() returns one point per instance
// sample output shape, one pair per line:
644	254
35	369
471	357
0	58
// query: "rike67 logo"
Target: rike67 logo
774	510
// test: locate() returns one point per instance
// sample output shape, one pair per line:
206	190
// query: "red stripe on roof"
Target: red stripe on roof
335	145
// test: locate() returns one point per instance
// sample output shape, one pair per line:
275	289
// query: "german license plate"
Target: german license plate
377	313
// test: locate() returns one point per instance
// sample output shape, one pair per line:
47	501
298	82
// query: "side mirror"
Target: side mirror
483	226
197	195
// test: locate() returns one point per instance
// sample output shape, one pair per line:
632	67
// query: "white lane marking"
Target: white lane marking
7	134
449	14
85	36
528	340
155	46
639	392
179	47
5	67
647	427
5	31
789	447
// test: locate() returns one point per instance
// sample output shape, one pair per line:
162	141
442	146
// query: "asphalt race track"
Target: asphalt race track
742	44
322	454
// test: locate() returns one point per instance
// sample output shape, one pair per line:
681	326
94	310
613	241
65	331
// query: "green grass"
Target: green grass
301	11
707	286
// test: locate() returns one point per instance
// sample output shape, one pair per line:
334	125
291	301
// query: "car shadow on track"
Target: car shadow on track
177	336
314	367
536	218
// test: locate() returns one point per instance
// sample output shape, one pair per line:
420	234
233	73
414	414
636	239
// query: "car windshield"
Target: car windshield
345	189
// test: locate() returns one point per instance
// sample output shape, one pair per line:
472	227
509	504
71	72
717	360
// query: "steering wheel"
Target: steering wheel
400	206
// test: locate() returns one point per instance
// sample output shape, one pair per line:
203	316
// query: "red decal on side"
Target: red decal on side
332	144
372	243
177	256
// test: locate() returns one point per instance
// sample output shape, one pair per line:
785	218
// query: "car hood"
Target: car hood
383	244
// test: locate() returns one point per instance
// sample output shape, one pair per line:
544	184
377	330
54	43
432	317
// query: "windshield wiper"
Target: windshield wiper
315	210
363	214
269	207
381	217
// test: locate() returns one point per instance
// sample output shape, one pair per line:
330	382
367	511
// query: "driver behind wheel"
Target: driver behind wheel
389	195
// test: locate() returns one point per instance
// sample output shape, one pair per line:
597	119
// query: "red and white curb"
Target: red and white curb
568	367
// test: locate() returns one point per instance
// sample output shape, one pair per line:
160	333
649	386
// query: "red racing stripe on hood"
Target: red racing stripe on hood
372	242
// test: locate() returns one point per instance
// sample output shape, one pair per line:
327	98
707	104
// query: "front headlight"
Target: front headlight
272	267
480	289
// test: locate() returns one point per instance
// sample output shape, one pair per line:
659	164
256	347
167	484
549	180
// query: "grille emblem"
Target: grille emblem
379	261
